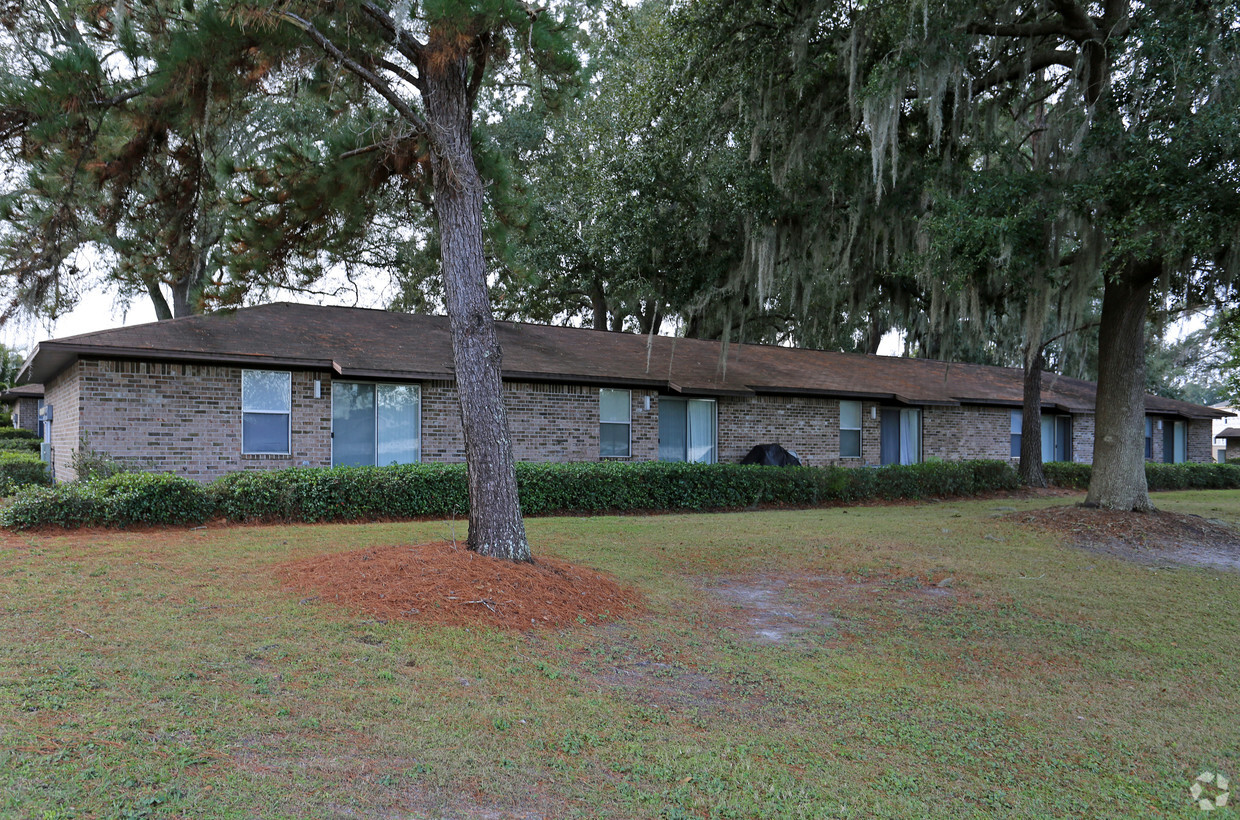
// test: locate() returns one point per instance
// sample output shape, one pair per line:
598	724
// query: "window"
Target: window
1056	436
850	429
266	404
613	423
1018	417
1149	437
376	424
687	430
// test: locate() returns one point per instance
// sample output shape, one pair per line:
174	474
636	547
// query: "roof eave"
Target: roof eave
50	358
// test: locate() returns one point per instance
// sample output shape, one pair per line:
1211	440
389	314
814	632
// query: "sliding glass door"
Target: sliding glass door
899	436
687	430
375	424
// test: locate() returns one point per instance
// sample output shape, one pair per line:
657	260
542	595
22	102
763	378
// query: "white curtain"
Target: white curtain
701	431
910	436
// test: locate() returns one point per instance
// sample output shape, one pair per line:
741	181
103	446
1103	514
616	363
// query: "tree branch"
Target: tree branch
400	72
120	98
1078	19
1045	28
402	40
373	80
1044	59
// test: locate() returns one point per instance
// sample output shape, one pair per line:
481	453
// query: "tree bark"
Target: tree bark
162	311
1031	418
495	524
183	296
598	303
1031	472
1118	480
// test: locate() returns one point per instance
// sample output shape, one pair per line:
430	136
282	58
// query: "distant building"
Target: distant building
1219	445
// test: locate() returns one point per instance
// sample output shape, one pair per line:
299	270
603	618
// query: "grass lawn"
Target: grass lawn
907	661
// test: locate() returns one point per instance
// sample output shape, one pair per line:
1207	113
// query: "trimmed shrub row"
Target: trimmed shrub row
1158	476
20	445
19	470
119	501
19	433
416	490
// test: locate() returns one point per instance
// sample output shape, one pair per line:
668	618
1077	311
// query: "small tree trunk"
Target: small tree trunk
598	303
1118	480
1031	418
495	524
1031	472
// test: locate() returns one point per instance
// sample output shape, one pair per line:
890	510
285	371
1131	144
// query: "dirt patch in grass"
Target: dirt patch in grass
780	609
768	611
1153	537
443	583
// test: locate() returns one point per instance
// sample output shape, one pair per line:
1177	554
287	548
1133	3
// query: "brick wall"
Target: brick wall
25	413
549	422
186	419
959	433
1233	448
808	427
1083	438
1200	440
62	396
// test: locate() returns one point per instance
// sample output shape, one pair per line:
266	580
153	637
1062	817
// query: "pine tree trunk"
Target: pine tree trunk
1118	480
162	311
1031	419
495	524
182	297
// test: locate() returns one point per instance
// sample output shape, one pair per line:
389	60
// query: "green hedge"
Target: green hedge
416	490
19	433
119	501
21	469
1158	476
20	445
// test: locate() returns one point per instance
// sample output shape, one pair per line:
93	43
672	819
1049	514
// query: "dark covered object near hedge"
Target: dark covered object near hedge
771	455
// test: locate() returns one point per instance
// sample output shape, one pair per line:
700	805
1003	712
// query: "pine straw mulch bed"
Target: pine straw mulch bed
445	583
1151	537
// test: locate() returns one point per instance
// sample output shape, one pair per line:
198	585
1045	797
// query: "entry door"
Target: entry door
889	436
900	436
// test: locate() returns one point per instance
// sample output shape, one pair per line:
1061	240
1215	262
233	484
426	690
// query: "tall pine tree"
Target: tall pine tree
425	64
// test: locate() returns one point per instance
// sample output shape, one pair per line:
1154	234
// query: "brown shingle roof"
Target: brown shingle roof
1230	432
378	344
22	391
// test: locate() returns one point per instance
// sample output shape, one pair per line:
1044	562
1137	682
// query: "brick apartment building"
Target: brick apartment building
286	385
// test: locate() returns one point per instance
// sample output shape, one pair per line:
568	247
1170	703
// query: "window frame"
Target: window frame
859	429
331	398
288	415
627	423
1149	438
